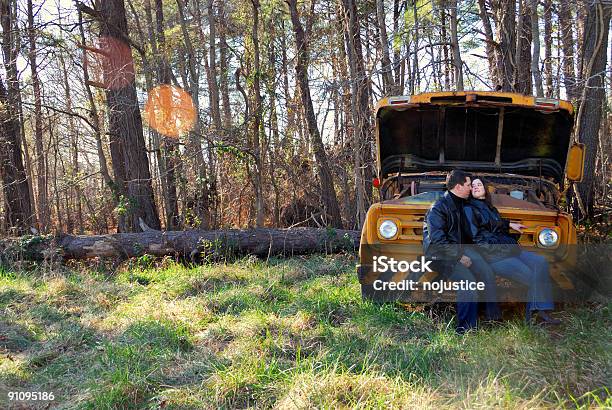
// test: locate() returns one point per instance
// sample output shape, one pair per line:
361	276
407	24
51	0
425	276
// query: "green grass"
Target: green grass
289	333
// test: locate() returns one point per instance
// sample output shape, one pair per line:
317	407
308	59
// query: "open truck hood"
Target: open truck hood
486	132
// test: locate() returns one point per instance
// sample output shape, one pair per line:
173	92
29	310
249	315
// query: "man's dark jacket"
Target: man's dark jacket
444	230
490	231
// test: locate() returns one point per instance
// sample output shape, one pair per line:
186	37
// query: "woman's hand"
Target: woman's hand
517	226
465	261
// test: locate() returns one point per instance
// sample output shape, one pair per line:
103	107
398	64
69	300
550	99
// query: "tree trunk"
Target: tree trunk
223	65
128	151
204	195
505	24
344	111
535	58
272	148
548	41
16	195
415	79
566	32
595	43
490	44
161	153
41	168
444	45
17	207
522	71
396	50
192	244
457	63
387	70
328	192
360	95
557	82
579	20
171	157
76	192
289	106
54	143
257	120
96	121
213	91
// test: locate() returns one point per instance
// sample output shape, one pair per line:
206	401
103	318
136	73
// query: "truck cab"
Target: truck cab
519	144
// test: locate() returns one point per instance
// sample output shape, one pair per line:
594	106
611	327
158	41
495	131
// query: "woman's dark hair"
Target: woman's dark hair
485	185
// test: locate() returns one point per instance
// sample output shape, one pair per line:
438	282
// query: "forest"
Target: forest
213	115
185	183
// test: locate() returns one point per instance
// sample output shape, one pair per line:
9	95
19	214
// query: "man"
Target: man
444	231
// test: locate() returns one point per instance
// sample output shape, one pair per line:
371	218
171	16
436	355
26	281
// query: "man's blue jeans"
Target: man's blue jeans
467	300
531	270
484	273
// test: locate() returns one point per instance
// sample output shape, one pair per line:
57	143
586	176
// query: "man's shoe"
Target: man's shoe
544	319
492	322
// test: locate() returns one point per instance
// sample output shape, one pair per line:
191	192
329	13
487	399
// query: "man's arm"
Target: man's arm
437	224
438	227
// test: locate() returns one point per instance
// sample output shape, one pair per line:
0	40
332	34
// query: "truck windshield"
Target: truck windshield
422	198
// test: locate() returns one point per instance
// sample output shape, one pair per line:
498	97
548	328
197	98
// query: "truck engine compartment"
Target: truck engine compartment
507	190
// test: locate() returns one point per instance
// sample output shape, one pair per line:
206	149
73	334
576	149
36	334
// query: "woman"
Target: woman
501	250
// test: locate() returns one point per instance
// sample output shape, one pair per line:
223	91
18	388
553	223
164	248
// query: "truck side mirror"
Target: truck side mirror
575	163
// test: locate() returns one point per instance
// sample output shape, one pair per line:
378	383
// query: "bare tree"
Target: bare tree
257	119
223	75
548	41
492	51
128	151
16	195
171	156
204	194
41	161
212	72
566	32
522	58
505	23
360	101
457	63
588	121
387	71
328	192
535	58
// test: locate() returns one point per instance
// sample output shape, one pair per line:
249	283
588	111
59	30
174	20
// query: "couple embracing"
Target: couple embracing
465	215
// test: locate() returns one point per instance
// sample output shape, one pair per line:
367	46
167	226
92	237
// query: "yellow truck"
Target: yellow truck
520	144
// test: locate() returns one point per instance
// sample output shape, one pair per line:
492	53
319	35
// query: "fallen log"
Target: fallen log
193	244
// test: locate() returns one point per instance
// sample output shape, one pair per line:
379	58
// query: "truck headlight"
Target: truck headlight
387	229
548	237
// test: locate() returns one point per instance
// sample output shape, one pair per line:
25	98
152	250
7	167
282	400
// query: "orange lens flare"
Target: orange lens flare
170	110
110	63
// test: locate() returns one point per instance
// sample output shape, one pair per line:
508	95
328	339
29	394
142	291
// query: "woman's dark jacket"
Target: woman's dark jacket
490	231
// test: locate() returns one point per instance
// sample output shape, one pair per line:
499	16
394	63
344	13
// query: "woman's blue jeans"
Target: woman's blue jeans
531	270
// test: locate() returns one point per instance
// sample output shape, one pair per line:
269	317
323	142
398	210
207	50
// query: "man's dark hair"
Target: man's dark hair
456	176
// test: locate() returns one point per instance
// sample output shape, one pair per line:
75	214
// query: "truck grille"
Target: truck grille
412	229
